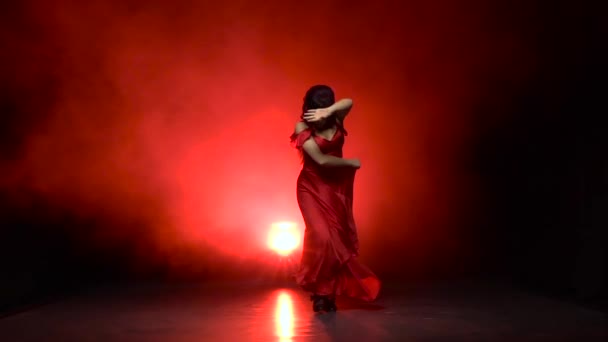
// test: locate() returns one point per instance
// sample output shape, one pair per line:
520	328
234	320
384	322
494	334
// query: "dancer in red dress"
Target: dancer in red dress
329	265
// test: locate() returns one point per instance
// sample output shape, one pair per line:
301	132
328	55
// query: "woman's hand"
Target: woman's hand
355	163
313	115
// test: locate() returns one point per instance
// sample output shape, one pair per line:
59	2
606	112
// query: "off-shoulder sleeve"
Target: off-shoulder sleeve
298	139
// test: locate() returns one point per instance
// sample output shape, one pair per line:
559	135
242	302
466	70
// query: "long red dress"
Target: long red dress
329	263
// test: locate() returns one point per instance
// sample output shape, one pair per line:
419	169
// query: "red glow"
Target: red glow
171	132
283	238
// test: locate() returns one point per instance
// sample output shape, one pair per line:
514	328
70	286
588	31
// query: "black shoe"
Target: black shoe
323	303
330	305
318	302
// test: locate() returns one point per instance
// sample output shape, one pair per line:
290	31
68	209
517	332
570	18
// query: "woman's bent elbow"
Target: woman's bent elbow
324	161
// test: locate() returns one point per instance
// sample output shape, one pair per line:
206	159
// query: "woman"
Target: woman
325	197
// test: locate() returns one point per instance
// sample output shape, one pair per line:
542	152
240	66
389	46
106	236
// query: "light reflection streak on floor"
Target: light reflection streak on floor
284	316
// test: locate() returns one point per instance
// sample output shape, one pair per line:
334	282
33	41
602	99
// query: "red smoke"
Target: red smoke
176	116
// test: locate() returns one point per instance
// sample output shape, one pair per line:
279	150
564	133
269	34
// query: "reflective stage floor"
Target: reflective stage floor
255	312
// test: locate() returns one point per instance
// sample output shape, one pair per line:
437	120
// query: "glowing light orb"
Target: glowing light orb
283	237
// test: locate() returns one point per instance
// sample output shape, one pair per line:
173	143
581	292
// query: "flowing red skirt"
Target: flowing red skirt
329	260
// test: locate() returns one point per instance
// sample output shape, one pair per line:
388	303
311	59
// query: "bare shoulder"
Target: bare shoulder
300	126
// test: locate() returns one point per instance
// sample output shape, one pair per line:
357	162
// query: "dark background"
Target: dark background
486	155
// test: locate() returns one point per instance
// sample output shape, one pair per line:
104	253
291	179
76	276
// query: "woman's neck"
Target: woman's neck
325	125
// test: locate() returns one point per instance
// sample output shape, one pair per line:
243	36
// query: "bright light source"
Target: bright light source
283	237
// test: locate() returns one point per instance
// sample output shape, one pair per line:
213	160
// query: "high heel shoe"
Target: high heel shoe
323	303
318	302
330	305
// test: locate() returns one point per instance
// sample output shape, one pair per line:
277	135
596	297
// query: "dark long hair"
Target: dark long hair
319	96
